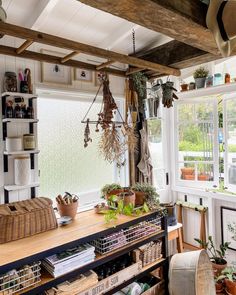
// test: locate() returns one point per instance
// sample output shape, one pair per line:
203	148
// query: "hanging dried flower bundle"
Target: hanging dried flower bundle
116	136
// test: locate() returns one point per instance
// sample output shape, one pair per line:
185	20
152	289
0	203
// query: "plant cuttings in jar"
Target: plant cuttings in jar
116	135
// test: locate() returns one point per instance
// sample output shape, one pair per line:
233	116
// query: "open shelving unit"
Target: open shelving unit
16	123
87	227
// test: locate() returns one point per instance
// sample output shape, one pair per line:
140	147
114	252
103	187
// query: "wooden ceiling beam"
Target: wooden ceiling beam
131	71
7	50
177	54
182	20
105	64
39	37
69	56
24	46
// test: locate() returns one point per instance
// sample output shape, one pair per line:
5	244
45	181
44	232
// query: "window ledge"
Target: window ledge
205	193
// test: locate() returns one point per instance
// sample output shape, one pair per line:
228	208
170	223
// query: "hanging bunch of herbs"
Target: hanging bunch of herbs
116	136
140	86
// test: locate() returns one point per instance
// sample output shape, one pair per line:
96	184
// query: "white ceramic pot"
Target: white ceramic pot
14	144
22	170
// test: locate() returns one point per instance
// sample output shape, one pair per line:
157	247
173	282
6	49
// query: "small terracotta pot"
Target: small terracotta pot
184	87
217	268
219	287
230	287
128	199
113	192
203	177
189	177
139	198
68	210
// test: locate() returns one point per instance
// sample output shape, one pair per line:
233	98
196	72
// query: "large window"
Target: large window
64	163
196	133
230	141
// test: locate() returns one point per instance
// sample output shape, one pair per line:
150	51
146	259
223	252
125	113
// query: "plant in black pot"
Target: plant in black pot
217	256
200	77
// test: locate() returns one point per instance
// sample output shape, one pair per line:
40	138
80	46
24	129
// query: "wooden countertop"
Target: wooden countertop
86	224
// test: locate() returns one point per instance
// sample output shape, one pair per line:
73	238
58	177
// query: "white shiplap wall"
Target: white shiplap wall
14	64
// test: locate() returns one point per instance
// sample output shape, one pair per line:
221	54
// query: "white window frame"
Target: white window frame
215	162
123	179
226	98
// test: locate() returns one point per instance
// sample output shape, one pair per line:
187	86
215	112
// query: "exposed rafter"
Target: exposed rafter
7	50
43	38
182	20
177	54
24	46
133	71
105	64
69	56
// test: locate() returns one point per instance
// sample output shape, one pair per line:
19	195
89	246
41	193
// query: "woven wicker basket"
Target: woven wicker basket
148	253
25	218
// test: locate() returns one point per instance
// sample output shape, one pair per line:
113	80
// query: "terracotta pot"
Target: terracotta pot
203	177
219	287
230	287
189	177
128	199
68	210
184	87
115	192
139	198
217	268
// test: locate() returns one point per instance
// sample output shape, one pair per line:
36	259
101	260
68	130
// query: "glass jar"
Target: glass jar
10	82
29	142
218	79
209	81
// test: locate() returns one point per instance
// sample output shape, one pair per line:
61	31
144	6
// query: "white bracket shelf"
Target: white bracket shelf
19	94
13	120
14	187
21	152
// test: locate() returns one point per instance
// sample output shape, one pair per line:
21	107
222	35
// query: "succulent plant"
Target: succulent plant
106	189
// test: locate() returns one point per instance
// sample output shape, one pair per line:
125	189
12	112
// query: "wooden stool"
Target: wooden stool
175	232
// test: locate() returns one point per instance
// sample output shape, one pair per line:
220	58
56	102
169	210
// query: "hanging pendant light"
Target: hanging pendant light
3	15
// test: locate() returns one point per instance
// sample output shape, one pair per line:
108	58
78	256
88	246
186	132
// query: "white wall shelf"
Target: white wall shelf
14	187
21	152
209	91
14	120
19	94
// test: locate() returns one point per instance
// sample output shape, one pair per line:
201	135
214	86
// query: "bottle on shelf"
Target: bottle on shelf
9	113
18	114
30	113
227	78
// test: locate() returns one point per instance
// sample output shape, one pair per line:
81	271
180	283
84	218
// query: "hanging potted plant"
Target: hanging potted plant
217	256
200	77
110	189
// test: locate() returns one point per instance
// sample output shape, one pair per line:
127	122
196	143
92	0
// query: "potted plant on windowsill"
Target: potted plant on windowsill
187	171
217	256
200	77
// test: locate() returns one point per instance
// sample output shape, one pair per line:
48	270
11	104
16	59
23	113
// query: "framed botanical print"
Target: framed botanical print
55	73
228	226
83	75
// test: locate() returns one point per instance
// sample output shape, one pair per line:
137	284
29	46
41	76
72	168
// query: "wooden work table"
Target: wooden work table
86	227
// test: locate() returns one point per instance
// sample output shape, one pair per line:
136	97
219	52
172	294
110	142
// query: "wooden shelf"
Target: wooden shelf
16	94
20	187
86	227
14	120
21	152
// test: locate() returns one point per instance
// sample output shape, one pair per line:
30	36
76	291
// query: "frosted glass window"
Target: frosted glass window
64	163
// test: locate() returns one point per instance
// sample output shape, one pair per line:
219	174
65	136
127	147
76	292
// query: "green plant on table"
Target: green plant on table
152	198
200	73
227	273
217	255
106	189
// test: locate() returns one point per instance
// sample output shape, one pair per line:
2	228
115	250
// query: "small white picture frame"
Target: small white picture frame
55	73
83	75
